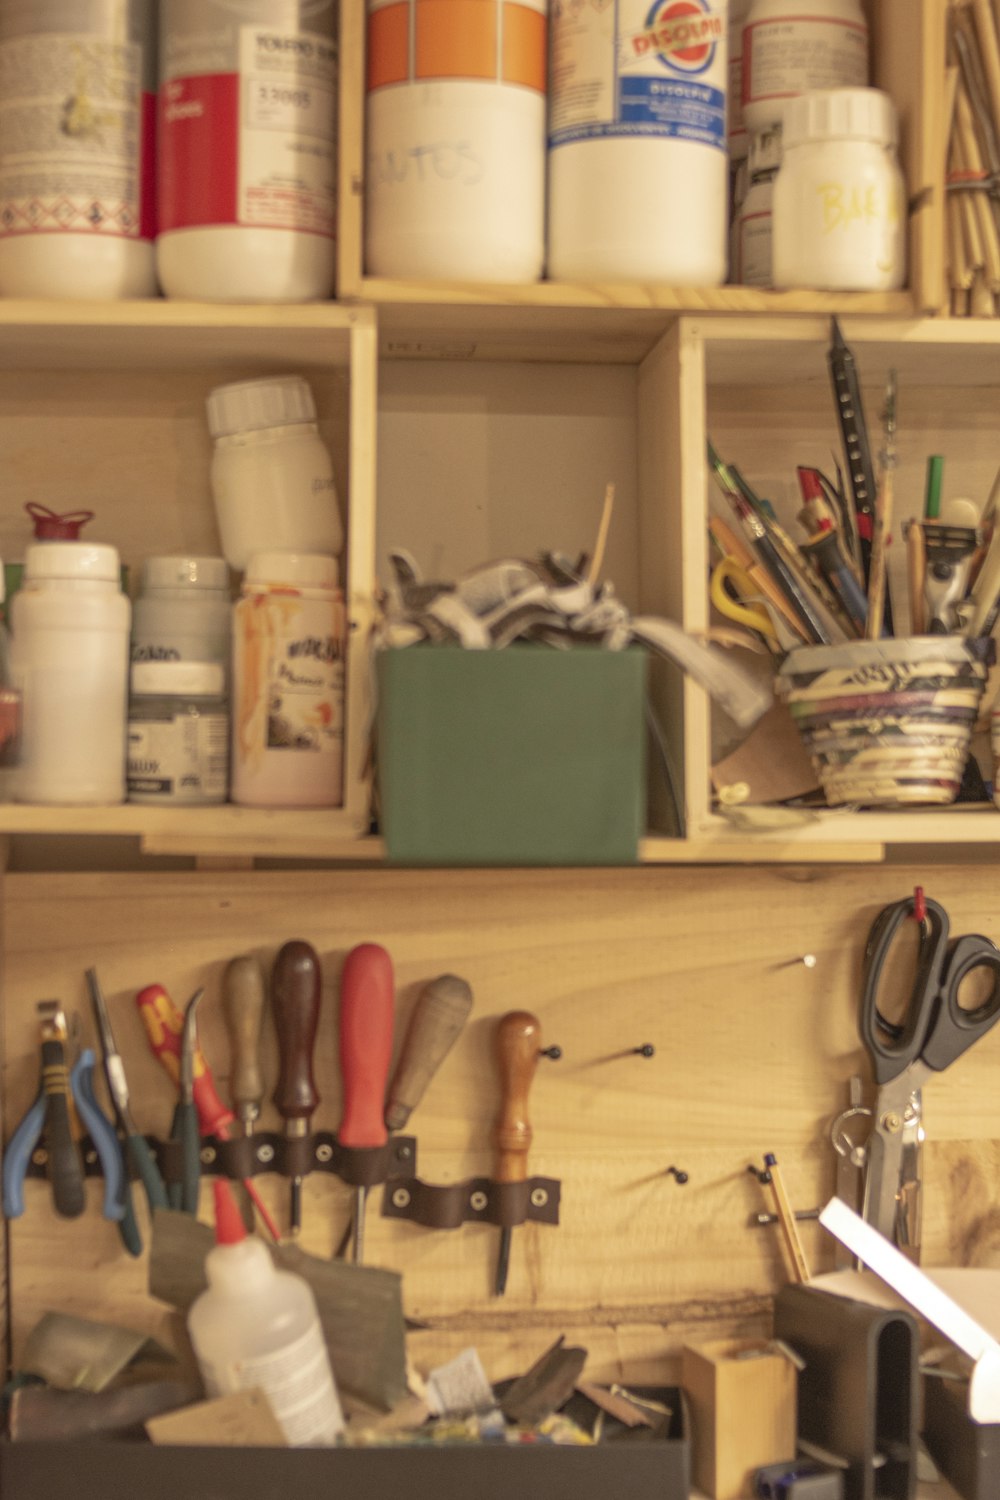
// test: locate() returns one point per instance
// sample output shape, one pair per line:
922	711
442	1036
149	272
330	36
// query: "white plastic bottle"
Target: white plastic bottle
288	683
246	169
272	475
258	1327
183	611
69	658
754	261
790	46
638	168
455	176
77	147
839	209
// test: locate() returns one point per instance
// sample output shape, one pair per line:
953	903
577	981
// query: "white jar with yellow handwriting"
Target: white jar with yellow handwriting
839	210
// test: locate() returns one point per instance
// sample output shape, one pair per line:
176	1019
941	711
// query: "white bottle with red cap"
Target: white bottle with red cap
257	1327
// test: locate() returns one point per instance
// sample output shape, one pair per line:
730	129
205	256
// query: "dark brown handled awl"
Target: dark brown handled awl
295	999
518	1042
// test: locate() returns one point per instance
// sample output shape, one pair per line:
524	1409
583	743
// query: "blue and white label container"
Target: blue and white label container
638	166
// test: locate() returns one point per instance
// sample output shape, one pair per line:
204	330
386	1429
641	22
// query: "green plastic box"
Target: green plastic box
529	755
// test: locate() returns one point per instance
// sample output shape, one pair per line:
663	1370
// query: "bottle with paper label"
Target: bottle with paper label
258	1327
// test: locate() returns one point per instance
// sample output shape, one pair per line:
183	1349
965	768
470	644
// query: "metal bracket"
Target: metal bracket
478	1200
267	1151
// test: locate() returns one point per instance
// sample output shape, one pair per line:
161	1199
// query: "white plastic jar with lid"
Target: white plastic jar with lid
754	258
77	148
455	176
790	46
288	683
839	211
178	733
638	167
183	611
69	658
272	475
246	169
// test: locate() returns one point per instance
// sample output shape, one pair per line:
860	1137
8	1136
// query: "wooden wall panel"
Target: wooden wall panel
754	1052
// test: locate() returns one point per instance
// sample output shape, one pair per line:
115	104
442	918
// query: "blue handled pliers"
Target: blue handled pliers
49	1116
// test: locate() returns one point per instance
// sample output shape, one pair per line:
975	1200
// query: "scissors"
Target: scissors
747	609
933	1032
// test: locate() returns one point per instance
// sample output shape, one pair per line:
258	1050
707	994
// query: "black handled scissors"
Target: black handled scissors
934	1030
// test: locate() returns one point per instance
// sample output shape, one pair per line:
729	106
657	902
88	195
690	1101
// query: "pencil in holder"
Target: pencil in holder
888	723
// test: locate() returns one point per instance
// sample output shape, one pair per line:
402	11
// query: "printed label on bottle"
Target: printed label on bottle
76	138
267	127
755	248
297	1382
181	757
784	58
636	69
306	696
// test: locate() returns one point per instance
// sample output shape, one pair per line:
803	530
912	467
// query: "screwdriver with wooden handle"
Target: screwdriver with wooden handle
244	992
367	998
436	1020
517	1043
295	1000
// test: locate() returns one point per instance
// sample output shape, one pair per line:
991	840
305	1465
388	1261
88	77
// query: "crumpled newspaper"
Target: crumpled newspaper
500	602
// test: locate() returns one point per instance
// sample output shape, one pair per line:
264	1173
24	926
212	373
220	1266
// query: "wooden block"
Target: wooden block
742	1396
237	1421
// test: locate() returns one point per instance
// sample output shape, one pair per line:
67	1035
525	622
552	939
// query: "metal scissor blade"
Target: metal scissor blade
892	1159
883	1164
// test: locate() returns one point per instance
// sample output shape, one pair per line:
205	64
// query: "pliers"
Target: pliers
141	1156
50	1117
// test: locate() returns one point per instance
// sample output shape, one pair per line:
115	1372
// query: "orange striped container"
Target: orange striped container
455	178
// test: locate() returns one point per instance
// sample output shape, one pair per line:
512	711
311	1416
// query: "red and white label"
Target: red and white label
267	130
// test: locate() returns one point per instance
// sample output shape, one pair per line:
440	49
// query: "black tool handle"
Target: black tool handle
295	997
65	1167
894	1046
956	1029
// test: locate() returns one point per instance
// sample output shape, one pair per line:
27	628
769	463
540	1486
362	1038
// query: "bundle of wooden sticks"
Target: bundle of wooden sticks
972	133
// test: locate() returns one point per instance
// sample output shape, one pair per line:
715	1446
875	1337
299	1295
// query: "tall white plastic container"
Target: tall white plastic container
638	167
247	171
69	658
791	46
258	1327
77	147
455	176
272	474
288	684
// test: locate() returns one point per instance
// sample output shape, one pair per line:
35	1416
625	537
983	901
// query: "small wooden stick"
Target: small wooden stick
786	1218
602	536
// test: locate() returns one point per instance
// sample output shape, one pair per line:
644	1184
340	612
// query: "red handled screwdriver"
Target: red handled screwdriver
367	994
295	999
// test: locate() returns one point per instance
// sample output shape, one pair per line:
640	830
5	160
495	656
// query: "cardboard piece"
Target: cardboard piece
245	1419
360	1307
79	1354
961	1304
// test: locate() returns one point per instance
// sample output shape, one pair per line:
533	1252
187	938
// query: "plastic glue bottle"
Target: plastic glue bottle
258	1328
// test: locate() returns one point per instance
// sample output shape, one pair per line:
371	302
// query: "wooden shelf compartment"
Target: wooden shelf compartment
103	405
761	389
550	319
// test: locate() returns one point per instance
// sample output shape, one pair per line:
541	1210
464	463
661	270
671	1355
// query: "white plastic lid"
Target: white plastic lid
840	115
306	570
251	405
185	572
72	560
765	151
179	679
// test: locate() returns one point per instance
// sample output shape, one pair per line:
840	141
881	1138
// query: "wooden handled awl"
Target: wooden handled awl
244	993
518	1043
441	1011
295	998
